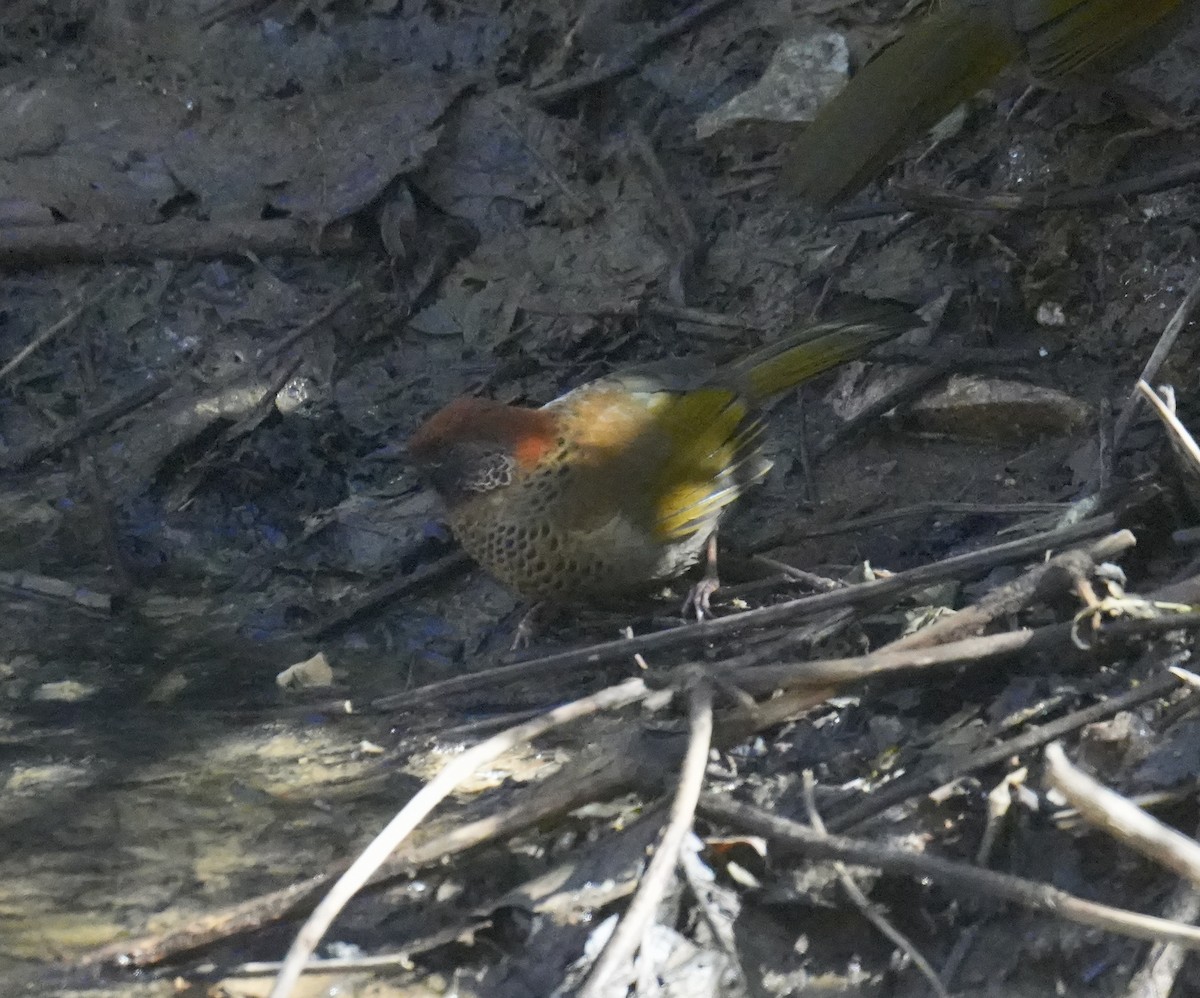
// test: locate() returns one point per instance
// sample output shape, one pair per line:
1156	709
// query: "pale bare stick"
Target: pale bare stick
1179	433
1121	818
640	914
425	800
1156	978
1159	354
1128	823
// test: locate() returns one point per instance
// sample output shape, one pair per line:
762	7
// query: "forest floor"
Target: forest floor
247	246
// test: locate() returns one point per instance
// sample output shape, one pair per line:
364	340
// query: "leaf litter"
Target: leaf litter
203	485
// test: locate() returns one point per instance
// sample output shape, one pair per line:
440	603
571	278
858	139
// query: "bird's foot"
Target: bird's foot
528	627
698	597
701	592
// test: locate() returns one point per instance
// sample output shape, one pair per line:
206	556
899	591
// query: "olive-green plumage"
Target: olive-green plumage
950	54
620	483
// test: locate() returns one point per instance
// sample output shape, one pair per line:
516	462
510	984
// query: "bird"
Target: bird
620	484
949	55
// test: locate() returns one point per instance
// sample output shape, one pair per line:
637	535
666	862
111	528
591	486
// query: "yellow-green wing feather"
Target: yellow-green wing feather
712	434
1075	36
939	62
709	434
801	355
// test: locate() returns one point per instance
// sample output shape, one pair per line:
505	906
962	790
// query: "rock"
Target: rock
309	673
993	409
804	73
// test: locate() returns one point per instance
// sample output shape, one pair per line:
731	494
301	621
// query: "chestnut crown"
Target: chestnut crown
474	445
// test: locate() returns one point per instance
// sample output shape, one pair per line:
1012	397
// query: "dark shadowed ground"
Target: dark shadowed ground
253	244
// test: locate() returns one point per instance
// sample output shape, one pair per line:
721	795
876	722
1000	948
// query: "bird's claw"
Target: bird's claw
700	595
527	628
522	637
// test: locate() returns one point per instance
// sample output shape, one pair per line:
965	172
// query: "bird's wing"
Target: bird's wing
1064	37
713	457
669	461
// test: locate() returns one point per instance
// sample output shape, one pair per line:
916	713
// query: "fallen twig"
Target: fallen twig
932	507
637	307
426	799
627	62
762	679
719	904
613	768
684	243
927	780
1059	200
179	238
1121	818
966	880
445	567
1016	595
1157	975
93	422
790	612
1182	441
965	358
912	388
306	328
47	334
1167	340
623	943
863	903
29	584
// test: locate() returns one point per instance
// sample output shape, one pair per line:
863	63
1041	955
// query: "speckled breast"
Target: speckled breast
516	535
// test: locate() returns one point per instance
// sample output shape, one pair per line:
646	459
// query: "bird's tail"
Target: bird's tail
904	91
798	356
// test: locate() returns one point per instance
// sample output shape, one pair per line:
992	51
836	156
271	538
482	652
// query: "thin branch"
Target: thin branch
28	584
89	424
1057	200
335	305
912	388
1156	978
637	307
863	903
608	772
425	800
447	566
1014	596
625	63
1121	818
1181	438
54	329
639	916
932	507
718	903
177	239
914	784
763	679
966	880
1180	319
790	612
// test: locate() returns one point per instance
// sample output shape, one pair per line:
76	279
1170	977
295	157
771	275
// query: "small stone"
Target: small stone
313	672
64	691
803	74
992	409
1050	313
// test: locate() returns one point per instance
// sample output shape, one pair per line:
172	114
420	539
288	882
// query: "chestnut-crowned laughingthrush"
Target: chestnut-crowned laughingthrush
621	482
951	53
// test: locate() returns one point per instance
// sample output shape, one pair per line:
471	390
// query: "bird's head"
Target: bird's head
473	446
